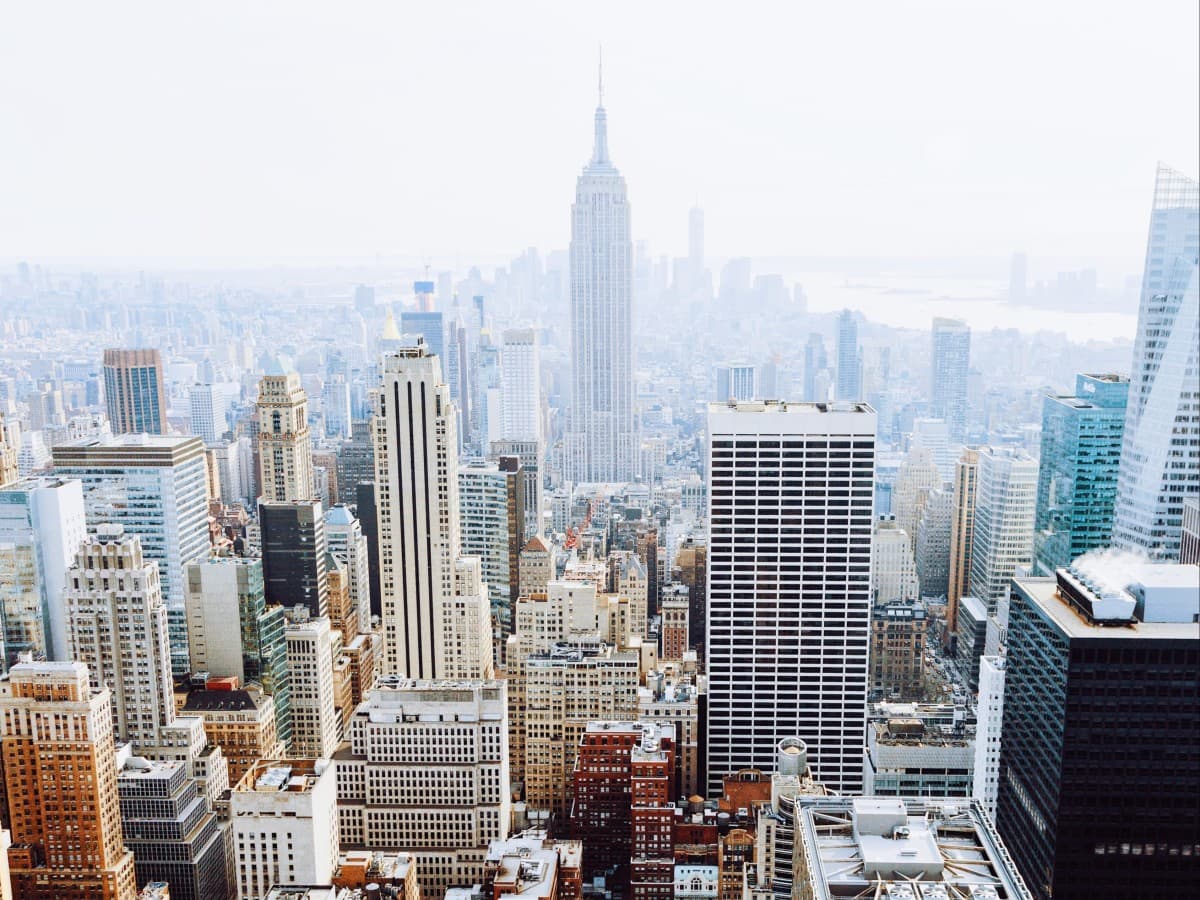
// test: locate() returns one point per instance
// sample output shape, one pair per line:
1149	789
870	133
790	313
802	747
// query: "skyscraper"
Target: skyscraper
294	554
1004	511
42	523
520	366
417	509
210	407
430	326
492	513
962	531
736	381
790	484
951	360
117	624
1099	766
155	487
1160	458
232	630
8	457
1077	470
134	391
849	358
602	440
284	443
815	362
60	777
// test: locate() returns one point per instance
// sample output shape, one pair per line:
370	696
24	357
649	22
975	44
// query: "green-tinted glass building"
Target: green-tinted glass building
1077	476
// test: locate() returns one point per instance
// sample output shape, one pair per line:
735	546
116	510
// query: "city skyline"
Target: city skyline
603	573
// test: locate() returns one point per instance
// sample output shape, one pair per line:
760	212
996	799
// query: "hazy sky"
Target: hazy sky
256	130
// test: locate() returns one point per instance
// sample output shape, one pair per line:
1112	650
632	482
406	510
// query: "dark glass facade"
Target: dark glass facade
293	555
1099	793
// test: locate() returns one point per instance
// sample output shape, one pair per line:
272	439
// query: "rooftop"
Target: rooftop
275	776
890	847
1157	601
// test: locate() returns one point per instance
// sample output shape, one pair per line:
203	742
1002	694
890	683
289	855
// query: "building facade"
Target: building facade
789	483
134	391
285	826
117	627
155	487
60	776
1005	505
1077	470
42	524
1099	769
1156	475
951	363
425	770
232	630
602	439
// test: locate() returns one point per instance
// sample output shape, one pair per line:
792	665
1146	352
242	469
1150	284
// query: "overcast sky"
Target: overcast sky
264	131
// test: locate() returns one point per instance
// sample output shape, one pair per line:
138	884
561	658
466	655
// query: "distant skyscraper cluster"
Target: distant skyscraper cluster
382	598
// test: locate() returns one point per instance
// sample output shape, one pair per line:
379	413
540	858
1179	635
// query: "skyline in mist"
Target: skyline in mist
275	132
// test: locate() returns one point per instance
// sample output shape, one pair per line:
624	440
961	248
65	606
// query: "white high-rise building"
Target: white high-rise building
893	567
417	507
790	499
1160	459
335	406
42	524
426	771
316	725
990	711
1005	507
917	478
117	624
602	440
155	486
345	540
210	405
285	825
521	384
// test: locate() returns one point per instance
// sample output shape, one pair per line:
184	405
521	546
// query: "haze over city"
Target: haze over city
528	451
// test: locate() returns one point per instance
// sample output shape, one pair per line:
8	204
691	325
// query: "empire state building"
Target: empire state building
601	443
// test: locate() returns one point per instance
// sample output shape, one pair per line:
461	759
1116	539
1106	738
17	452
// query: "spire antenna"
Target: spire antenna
601	79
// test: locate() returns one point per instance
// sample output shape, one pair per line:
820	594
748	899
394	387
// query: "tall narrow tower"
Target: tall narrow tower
951	360
1160	459
284	443
416	478
601	444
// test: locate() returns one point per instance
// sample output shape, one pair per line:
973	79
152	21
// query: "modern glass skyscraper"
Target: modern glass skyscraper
849	358
1077	475
789	585
602	441
1099	765
155	487
431	326
1160	459
134	392
951	359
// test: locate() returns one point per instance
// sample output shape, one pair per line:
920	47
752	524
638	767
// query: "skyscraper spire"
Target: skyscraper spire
600	149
